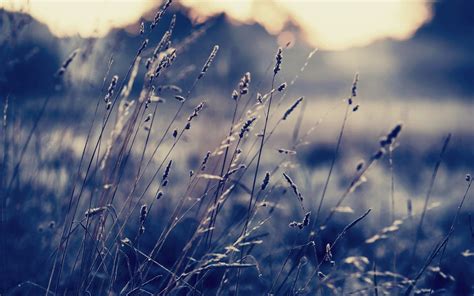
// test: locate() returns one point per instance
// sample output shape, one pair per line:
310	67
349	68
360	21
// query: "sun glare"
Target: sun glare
325	24
84	17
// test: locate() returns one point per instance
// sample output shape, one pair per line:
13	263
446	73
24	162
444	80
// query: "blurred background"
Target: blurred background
414	57
415	64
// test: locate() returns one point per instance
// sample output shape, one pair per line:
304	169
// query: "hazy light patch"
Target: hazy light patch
84	17
326	24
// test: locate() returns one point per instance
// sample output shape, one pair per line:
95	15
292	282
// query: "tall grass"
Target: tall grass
135	222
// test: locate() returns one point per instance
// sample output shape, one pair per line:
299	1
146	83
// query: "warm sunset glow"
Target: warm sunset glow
84	17
325	24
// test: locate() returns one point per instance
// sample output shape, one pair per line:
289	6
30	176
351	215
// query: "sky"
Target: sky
332	25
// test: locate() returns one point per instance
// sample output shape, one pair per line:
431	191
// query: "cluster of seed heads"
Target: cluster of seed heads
246	126
279	58
390	138
165	63
209	61
164	44
157	50
292	108
110	92
387	141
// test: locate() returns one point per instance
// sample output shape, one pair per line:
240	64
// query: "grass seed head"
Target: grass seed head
142	47
180	98
293	187
246	127
377	155
148	117
282	87
292	108
164	179
235	95
111	89
205	160
94	211
354	85
244	83
196	111
143	213
209	61
306	219
278	58
160	13
266	181
66	63
391	136
159	195
286	151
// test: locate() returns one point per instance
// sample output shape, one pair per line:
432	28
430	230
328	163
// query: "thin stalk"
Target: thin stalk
428	195
333	161
257	168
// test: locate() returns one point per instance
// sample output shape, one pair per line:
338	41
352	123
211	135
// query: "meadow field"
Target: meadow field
185	160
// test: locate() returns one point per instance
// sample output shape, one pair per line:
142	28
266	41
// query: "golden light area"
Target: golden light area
325	24
88	18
